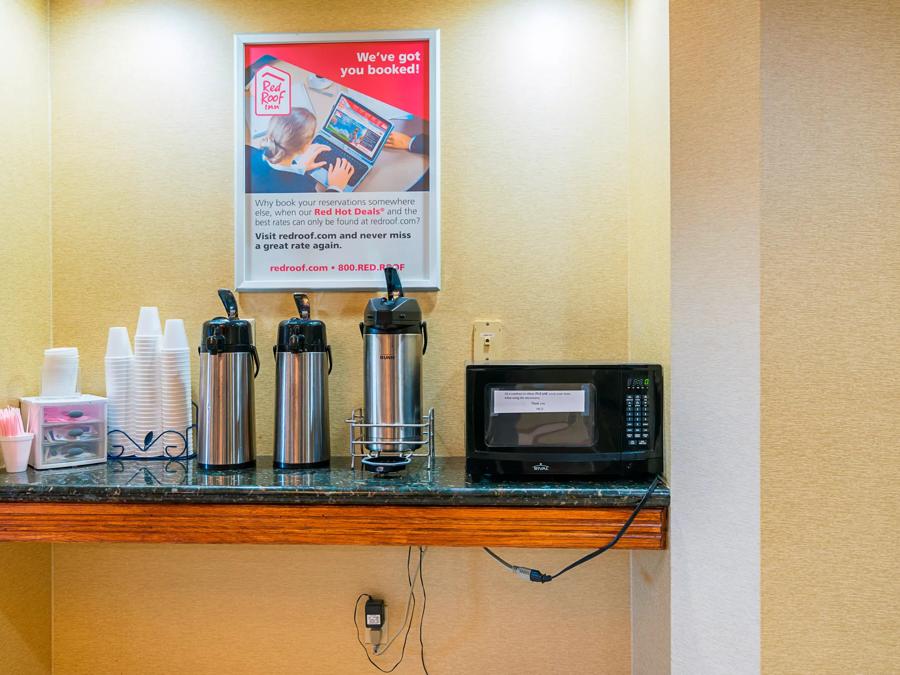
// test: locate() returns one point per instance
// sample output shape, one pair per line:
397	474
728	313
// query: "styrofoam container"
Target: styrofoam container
59	381
148	322
118	345
16	450
175	337
60	353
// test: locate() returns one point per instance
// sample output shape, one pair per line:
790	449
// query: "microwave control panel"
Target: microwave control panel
638	413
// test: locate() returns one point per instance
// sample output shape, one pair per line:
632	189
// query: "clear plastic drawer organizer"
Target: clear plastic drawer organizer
67	431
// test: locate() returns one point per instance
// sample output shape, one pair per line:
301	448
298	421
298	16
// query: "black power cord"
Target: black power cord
424	604
539	577
408	617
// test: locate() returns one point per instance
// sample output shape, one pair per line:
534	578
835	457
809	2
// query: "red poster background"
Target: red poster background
408	91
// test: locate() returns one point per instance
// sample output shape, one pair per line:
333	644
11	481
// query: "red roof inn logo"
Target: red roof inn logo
272	92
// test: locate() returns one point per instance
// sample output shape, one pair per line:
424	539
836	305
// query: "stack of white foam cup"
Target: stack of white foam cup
59	376
119	367
146	400
175	384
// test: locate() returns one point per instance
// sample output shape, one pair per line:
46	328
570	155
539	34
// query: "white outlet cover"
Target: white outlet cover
487	340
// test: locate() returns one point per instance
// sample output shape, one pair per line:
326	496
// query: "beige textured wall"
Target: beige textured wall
714	379
649	284
287	609
24	198
649	222
830	336
25	609
142	173
24	301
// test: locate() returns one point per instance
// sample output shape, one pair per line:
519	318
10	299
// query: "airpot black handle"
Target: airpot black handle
392	279
302	302
228	299
255	360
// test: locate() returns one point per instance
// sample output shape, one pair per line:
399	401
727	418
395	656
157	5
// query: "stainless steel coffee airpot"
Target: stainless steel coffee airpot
303	363
228	365
395	338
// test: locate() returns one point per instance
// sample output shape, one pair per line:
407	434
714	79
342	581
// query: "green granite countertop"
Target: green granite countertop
182	482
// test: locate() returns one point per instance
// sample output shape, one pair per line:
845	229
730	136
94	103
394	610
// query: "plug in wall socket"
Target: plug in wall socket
487	340
376	622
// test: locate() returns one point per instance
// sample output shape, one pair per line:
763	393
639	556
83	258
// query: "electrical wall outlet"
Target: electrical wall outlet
487	340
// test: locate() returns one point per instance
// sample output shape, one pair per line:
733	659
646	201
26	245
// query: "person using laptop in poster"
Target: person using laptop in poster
287	155
354	133
417	144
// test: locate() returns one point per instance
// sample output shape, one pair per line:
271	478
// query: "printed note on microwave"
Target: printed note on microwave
537	401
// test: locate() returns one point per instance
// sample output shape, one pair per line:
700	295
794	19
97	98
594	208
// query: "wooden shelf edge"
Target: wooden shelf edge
524	527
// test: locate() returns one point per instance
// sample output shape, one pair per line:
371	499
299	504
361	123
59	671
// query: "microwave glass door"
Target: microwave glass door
557	415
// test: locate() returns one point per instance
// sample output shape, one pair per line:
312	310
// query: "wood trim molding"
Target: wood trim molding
527	527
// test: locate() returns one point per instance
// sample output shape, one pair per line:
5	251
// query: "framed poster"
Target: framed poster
336	160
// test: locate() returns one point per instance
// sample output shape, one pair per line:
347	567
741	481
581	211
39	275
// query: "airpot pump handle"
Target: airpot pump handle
392	279
215	343
255	360
227	298
295	343
302	302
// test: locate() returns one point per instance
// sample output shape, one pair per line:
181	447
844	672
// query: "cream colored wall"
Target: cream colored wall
288	609
25	579
714	379
25	608
649	285
24	198
649	222
142	178
830	336
534	233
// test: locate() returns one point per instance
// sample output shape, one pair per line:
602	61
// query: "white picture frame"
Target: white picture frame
430	280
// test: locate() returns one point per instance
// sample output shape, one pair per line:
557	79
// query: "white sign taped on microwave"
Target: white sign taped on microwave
537	401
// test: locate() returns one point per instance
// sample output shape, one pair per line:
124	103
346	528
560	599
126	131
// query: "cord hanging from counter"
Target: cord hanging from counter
539	577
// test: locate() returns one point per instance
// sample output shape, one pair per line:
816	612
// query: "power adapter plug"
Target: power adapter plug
376	622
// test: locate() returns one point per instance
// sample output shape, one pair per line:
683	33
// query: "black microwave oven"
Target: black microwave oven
527	420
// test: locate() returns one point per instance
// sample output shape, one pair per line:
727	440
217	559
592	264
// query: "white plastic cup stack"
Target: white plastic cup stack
119	367
59	376
146	396
175	382
15	442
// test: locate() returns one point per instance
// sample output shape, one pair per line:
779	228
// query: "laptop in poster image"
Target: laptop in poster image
354	132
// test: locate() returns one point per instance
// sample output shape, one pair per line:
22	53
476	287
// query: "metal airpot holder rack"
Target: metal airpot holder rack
360	438
389	430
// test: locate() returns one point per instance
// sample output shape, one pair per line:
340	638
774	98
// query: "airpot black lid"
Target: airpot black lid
226	334
301	334
394	313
